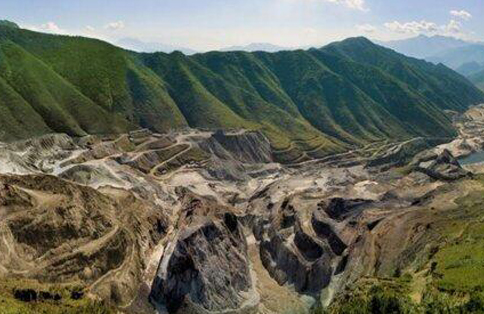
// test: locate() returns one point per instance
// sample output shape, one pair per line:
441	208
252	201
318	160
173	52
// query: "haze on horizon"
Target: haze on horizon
216	24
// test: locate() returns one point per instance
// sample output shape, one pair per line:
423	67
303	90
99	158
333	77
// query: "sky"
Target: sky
213	24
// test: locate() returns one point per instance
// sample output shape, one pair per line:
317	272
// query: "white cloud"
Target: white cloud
453	27
413	27
461	14
90	28
114	26
352	4
366	28
49	27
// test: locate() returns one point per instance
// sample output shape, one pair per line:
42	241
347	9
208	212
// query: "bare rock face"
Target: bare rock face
248	147
339	208
54	231
403	152
292	253
205	269
297	259
443	167
233	152
324	230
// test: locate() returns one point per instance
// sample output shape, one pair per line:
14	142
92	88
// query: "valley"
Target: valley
307	103
342	179
199	221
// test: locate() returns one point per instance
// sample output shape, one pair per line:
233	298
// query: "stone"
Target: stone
444	167
206	267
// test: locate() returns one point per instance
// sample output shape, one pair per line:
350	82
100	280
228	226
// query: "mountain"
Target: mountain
464	57
267	47
424	46
85	224
459	58
141	46
8	24
470	68
467	60
320	100
478	78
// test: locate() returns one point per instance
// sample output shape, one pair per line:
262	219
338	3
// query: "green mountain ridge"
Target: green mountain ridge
8	24
478	79
329	99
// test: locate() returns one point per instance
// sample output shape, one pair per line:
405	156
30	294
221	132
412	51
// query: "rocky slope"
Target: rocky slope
209	222
205	268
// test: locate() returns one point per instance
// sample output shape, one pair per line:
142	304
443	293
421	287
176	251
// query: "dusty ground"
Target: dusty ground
109	207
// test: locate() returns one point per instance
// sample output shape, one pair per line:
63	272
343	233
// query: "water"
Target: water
473	158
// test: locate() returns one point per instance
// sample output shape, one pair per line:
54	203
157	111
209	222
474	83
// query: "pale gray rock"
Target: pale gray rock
443	167
206	268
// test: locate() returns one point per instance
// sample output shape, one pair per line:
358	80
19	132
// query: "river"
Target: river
473	158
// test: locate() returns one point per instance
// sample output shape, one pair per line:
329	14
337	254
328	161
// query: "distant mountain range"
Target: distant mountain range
318	100
267	47
467	58
423	46
141	46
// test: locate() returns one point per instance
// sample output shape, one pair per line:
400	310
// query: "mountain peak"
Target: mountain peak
359	41
9	24
353	42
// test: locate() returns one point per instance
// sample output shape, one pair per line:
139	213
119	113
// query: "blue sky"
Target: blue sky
213	24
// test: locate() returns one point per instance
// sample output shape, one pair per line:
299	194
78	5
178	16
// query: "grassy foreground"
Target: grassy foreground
50	299
451	281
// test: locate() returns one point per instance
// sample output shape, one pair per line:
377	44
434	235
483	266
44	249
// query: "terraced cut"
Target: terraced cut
131	220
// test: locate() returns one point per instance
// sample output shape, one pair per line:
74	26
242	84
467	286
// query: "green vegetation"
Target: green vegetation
64	303
478	79
382	298
451	280
460	263
325	100
8	24
392	297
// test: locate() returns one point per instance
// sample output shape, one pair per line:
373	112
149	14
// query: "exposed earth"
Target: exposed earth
205	221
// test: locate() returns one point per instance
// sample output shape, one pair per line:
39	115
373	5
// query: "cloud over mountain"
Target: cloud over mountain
461	14
115	25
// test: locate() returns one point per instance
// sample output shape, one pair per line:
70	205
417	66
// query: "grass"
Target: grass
461	266
378	296
66	305
452	281
460	263
374	296
329	99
